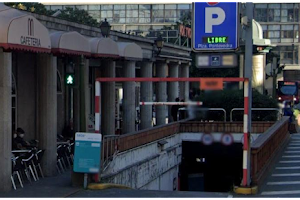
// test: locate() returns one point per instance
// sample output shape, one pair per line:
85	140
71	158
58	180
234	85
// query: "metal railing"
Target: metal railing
257	109
110	147
205	109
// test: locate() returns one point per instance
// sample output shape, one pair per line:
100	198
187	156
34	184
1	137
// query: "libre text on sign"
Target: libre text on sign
215	26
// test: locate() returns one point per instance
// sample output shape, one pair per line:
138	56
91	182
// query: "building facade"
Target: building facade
134	17
280	21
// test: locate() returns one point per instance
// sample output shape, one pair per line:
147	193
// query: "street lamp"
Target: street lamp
159	42
105	28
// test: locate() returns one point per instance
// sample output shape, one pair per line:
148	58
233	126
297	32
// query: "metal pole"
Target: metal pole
97	114
247	96
85	180
274	66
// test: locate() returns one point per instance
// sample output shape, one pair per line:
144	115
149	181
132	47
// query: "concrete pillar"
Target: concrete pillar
128	105
146	95
83	90
47	110
5	120
108	98
76	95
87	96
173	88
61	98
258	73
184	86
161	92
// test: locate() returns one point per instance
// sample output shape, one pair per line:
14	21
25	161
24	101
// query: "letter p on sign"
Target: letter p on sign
210	20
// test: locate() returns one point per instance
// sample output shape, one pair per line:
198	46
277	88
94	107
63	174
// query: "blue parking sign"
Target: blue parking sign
215	26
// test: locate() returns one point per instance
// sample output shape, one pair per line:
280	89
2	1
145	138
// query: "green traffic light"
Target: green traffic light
70	79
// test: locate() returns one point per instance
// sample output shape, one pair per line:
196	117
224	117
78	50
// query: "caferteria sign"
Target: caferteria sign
20	31
29	39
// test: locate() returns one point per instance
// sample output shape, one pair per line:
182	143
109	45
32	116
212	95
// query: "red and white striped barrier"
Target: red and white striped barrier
246	131
193	103
97	107
97	114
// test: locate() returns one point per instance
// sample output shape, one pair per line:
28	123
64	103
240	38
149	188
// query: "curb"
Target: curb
102	186
245	190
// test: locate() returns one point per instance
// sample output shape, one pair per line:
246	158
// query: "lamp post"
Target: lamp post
159	43
105	28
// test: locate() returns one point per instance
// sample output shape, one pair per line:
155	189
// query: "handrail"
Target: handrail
207	109
261	109
110	145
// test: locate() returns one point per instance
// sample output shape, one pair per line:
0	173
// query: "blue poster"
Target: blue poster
215	26
87	152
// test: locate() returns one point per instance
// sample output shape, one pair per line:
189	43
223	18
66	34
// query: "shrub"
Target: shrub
229	99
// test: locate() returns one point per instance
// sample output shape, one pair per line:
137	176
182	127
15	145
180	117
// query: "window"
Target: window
260	12
106	7
274	31
119	13
296	16
144	13
265	31
144	7
170	6
69	6
94	7
158	7
56	7
287	12
183	6
132	13
274	12
157	13
132	20
132	7
296	32
170	13
82	7
287	31
287	54
106	14
144	20
94	14
119	7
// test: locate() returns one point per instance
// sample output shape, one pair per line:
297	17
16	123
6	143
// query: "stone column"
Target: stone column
184	86
47	110
84	94
5	120
173	89
258	72
161	92
108	98
146	95
128	105
76	95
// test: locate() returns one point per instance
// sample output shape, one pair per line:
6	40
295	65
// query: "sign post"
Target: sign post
215	26
87	154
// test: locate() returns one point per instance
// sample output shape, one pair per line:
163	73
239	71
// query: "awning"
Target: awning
69	43
20	31
104	47
129	51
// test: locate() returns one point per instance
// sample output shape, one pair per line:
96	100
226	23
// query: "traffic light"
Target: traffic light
261	49
70	79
